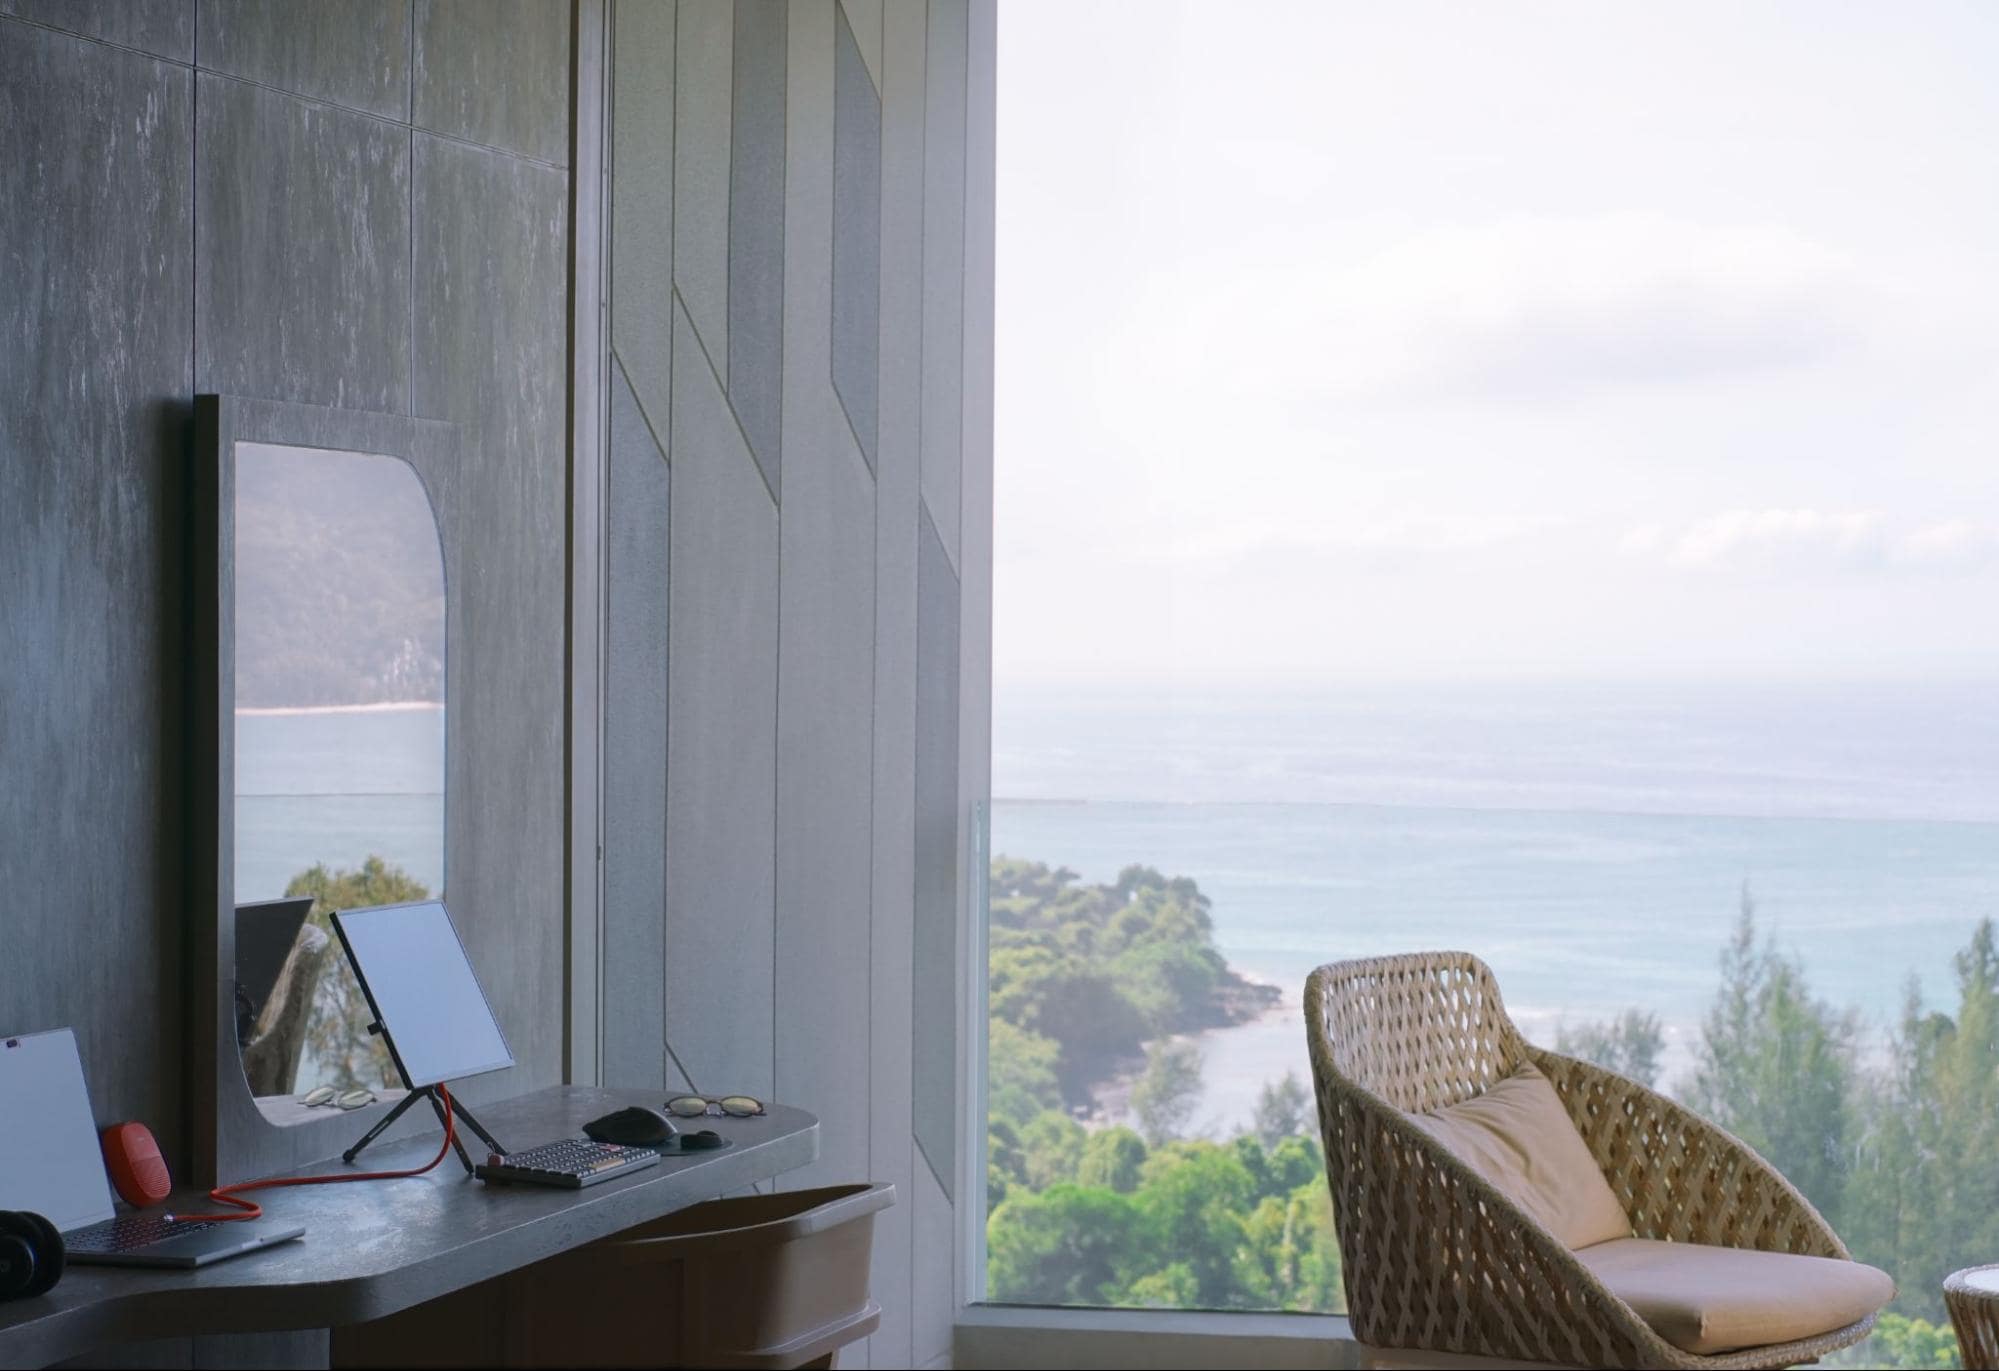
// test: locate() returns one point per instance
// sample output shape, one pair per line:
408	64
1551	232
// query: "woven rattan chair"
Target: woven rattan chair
1436	1259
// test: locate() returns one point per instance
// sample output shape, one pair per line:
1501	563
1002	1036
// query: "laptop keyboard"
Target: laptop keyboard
129	1232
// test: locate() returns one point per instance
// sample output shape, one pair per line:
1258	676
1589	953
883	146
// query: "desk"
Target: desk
378	1247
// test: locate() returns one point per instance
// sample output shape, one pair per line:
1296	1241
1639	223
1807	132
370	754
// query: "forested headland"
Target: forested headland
1892	1131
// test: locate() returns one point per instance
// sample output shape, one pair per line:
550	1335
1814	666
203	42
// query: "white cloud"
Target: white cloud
1805	536
1537	307
1738	533
1397	537
1949	543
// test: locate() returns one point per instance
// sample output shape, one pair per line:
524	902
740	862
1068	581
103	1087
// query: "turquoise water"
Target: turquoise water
1592	845
337	787
1580	915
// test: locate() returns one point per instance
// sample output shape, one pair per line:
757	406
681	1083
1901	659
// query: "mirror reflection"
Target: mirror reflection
339	776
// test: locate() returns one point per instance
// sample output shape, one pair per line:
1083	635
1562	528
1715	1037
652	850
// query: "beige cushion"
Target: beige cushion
1517	1136
1716	1299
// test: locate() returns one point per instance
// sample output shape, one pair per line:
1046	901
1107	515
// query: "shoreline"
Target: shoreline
1247	1002
382	707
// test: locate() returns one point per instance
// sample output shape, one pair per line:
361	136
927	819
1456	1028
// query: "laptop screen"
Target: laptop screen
50	1161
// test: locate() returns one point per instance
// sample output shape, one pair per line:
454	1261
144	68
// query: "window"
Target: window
1502	477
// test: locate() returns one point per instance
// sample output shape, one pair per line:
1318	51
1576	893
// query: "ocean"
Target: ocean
336	786
1593	844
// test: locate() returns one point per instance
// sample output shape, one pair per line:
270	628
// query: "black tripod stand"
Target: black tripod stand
427	1092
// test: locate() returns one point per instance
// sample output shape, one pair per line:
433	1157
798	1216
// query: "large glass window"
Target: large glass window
1515	478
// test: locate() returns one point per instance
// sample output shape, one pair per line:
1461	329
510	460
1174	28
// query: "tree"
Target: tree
1072	1245
1194	1199
1899	1343
1628	1044
1775	1066
1020	1072
1924	1198
337	1034
1006	1164
1170	1090
1052	1144
1282	1110
1112	1159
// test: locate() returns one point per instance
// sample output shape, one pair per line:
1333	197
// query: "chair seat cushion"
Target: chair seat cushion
1706	1300
1517	1136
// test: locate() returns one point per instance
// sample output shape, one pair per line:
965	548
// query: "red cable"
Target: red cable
226	1194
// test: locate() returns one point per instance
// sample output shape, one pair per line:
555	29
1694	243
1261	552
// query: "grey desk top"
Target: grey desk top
377	1247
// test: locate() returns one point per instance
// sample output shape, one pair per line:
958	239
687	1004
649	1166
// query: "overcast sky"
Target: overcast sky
1398	341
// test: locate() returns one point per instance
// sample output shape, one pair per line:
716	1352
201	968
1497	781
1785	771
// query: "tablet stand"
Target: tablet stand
428	1092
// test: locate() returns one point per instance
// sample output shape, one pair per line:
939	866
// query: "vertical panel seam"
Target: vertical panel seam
916	658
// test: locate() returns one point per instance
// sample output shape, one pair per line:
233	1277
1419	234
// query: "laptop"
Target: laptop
51	1163
265	932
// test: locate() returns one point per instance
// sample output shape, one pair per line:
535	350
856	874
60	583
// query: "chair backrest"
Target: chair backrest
1420	1031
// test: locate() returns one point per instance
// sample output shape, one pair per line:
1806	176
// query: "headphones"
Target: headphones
30	1254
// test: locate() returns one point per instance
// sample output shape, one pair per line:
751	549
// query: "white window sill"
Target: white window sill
999	1335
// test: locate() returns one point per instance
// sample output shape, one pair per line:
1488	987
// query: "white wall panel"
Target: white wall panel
896	475
721	741
704	48
825	666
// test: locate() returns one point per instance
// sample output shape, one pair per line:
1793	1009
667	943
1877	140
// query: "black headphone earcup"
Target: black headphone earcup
49	1255
31	1254
17	1255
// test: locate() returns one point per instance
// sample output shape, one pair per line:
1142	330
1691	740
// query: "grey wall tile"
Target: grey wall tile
491	350
722	740
494	72
164	27
896	465
944	270
95	205
642	203
825	757
756	227
303	247
856	238
703	105
635	555
937	854
864	17
352	52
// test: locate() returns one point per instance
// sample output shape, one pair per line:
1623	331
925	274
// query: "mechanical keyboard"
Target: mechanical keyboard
571	1164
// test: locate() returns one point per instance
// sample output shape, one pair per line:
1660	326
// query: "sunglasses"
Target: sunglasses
735	1106
327	1096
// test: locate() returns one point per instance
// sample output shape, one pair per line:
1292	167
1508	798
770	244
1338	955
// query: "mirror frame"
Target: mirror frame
232	1139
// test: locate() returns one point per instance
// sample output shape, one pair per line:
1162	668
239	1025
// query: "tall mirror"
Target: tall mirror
321	746
339	724
338	752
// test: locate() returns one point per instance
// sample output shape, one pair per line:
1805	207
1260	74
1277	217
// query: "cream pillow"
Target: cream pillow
1518	1137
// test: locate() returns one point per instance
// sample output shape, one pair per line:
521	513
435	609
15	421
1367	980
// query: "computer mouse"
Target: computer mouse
633	1126
704	1139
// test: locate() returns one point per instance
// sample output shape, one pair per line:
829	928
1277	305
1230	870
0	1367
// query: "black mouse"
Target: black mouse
701	1141
633	1126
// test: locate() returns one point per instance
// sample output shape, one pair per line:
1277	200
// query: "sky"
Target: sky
1401	343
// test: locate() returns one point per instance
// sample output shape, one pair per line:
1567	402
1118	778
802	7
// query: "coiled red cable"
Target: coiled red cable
226	1194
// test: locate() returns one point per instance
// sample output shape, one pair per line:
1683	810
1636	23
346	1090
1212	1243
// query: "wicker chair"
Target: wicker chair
1436	1259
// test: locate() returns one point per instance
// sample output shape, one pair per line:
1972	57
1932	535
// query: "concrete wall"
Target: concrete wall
359	203
798	580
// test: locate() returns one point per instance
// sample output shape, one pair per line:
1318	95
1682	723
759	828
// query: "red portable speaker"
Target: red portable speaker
138	1172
